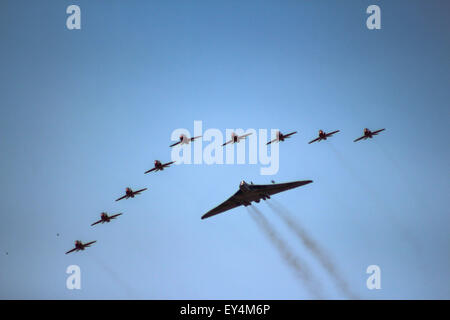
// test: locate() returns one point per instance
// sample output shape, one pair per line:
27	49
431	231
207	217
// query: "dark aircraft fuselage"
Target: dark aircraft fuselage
249	193
79	245
368	133
158	165
129	193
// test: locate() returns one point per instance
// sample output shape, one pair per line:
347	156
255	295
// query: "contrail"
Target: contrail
312	245
300	269
389	156
407	235
414	196
127	289
400	171
348	167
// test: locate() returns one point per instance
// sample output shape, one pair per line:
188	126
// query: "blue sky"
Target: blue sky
84	113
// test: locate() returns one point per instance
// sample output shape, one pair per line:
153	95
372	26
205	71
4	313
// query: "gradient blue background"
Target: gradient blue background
84	113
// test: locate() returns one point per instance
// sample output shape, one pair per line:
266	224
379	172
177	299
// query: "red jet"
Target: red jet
105	218
80	246
130	193
281	137
184	140
159	166
323	136
236	138
368	134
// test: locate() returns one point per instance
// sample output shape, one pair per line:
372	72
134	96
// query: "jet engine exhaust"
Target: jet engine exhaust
312	245
129	291
299	267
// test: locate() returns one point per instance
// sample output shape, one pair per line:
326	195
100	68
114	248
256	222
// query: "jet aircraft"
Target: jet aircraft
105	218
253	192
323	136
80	246
130	193
281	137
368	134
236	138
159	166
184	140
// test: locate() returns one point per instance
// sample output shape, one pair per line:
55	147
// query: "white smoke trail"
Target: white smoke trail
299	267
312	245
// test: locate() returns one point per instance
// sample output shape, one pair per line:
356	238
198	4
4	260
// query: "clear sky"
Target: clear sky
83	113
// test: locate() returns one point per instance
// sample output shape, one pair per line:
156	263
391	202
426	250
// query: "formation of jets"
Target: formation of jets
246	194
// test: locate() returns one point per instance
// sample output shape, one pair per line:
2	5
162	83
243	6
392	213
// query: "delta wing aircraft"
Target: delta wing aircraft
368	134
253	192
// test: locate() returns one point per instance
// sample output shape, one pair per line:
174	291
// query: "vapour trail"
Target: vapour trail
312	245
415	194
114	276
299	267
348	167
393	220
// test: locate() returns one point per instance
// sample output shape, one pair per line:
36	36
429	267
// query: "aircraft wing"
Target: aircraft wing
173	145
255	192
271	141
331	133
316	139
139	191
229	204
152	169
71	250
192	139
116	215
245	135
360	138
121	198
227	142
375	132
96	222
168	163
290	134
89	243
274	188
